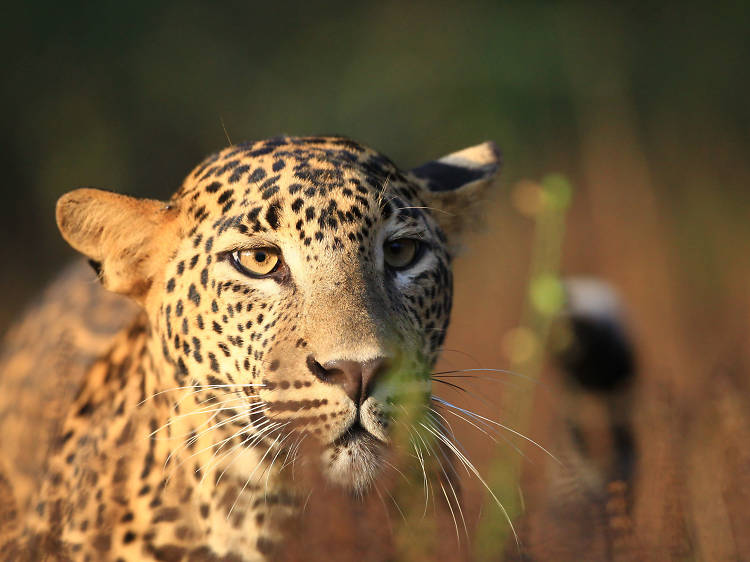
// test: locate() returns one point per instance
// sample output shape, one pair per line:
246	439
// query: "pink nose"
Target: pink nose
354	377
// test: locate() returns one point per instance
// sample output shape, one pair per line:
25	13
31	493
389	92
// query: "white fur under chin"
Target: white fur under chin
354	464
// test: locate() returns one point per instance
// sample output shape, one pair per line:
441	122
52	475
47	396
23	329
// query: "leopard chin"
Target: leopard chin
354	460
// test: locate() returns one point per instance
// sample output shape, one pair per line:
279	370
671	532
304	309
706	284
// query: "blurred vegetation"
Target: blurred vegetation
546	203
642	107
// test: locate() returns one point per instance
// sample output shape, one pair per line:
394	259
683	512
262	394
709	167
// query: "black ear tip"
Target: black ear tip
442	176
476	163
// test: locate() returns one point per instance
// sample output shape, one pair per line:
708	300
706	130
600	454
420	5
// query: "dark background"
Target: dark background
130	95
643	108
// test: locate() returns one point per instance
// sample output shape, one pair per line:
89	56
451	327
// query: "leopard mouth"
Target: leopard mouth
354	434
354	459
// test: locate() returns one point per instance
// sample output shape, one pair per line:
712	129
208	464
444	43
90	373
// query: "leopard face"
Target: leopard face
302	284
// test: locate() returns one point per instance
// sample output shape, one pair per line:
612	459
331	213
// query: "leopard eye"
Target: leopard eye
258	262
402	253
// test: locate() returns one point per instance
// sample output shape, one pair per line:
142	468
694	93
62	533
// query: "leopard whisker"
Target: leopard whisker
242	446
385	507
200	387
267	470
219	443
226	133
268	450
228	421
428	449
444	423
477	475
488	430
174	452
291	452
420	458
296	452
307	500
486	371
398	507
382	191
217	457
215	412
212	398
251	441
450	434
453	515
448	479
458	503
238	405
451	384
393	466
488	420
478	378
173	420
460	352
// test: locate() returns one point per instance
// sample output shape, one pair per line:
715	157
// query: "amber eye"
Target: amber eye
402	253
257	262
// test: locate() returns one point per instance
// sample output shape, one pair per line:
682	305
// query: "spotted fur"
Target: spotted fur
171	447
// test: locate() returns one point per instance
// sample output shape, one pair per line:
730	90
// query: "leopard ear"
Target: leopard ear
455	187
122	236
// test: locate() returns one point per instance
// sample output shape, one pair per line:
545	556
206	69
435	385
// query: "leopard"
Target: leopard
295	288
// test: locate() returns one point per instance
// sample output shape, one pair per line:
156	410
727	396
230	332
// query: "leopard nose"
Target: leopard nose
356	378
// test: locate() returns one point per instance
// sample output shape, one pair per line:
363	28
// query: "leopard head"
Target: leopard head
304	282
